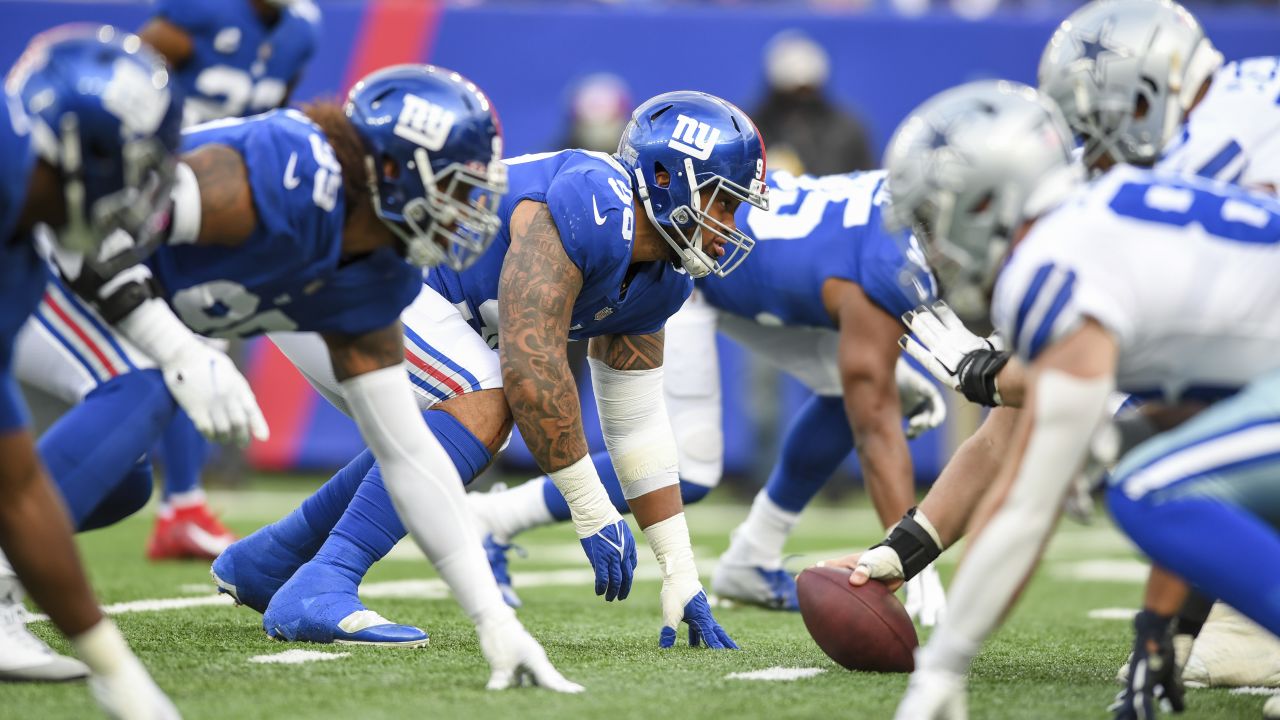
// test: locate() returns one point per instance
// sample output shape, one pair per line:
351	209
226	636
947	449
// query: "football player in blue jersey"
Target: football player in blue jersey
821	300
592	247
319	221
126	124
233	58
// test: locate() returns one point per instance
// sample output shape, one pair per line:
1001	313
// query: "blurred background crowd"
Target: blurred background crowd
825	81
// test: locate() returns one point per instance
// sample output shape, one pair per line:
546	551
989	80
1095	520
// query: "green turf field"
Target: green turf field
1050	661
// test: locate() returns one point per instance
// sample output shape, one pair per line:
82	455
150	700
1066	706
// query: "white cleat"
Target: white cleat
516	659
1233	651
768	587
23	656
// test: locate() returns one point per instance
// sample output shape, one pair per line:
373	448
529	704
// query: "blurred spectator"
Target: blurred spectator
803	130
599	108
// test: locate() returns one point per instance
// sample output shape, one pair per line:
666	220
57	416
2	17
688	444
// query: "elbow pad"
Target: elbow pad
636	429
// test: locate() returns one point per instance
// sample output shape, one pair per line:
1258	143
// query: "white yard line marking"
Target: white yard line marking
1122	571
297	657
1254	691
1112	614
776	673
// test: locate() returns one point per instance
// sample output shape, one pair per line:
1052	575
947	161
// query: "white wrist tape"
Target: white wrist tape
589	504
159	333
185	228
669	540
102	648
637	431
923	522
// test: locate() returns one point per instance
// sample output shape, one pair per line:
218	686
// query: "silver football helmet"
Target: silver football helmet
1125	73
966	169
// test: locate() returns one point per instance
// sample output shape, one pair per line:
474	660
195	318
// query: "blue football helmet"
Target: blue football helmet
106	115
707	147
434	158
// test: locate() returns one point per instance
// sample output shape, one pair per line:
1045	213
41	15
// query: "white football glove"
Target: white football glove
926	601
209	387
920	399
517	659
939	341
203	380
934	695
129	693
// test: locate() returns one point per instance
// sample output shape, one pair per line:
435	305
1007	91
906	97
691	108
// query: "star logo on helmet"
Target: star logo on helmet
939	143
1096	52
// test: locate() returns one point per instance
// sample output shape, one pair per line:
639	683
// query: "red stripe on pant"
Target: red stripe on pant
75	328
393	32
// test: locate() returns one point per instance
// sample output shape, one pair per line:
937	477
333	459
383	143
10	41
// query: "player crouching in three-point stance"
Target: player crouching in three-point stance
591	247
1087	316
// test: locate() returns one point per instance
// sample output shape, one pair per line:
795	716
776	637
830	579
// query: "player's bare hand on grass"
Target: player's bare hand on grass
517	659
696	613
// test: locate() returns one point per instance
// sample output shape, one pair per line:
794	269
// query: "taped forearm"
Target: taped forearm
424	485
156	331
1066	411
584	493
636	427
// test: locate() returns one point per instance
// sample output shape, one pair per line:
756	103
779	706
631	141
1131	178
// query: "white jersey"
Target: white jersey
1234	133
1182	271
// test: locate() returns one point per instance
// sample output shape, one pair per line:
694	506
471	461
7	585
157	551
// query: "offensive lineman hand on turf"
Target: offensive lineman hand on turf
922	404
517	659
612	552
926	601
214	394
955	356
934	695
129	693
703	627
1154	678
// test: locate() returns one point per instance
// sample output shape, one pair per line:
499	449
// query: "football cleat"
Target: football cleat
188	533
319	604
253	569
497	553
23	656
773	588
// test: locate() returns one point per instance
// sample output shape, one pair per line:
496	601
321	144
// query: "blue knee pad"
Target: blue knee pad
691	493
97	445
817	441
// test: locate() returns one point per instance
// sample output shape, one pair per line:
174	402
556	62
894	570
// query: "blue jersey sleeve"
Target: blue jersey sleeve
596	226
893	273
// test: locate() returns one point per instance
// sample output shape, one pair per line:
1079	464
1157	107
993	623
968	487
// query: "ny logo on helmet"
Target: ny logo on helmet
424	123
694	138
131	96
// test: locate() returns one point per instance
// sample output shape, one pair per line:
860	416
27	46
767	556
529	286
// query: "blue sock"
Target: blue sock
184	450
817	441
129	497
95	447
305	529
689	492
370	527
1222	549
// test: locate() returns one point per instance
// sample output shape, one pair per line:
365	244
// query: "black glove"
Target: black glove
1154	679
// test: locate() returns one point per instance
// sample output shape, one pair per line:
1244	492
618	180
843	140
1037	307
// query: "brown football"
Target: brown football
862	628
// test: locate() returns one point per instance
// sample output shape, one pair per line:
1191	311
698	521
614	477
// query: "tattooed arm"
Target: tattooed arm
226	214
535	303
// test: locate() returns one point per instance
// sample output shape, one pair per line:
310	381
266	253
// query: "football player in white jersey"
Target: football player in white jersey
1078	300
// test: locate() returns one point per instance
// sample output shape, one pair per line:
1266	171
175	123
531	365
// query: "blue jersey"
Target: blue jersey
238	65
289	274
22	272
817	229
589	196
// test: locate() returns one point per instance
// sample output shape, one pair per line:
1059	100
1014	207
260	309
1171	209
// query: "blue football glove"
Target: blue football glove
612	552
703	627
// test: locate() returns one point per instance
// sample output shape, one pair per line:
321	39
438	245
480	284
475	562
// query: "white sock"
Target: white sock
760	538
190	498
508	513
